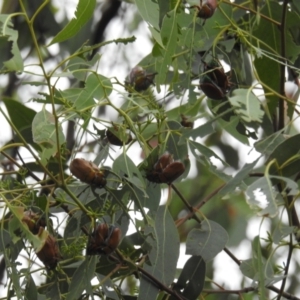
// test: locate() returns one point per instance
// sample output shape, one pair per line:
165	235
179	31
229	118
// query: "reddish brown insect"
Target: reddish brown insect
215	82
186	123
104	240
114	140
139	79
172	172
49	254
165	170
87	172
206	8
33	221
163	162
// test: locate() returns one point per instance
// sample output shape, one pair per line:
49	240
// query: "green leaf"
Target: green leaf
287	156
164	8
169	32
280	232
124	166
149	11
208	158
162	237
44	134
237	180
15	278
16	62
247	105
81	279
256	247
173	145
96	86
268	66
235	128
31	290
206	241
21	116
192	278
84	12
267	145
262	189
108	288
16	224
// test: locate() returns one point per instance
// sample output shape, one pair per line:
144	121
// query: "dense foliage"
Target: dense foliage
104	178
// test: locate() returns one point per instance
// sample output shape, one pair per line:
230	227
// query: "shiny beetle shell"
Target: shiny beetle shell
214	83
186	123
172	172
49	254
114	140
165	170
87	172
206	8
33	221
104	240
139	79
163	162
212	91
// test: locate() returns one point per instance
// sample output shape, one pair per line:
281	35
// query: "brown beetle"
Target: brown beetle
139	79
215	82
49	254
186	123
104	240
163	162
206	8
165	170
114	140
172	172
33	221
87	172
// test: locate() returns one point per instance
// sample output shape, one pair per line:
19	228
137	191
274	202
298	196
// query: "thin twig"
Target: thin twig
288	261
284	294
249	289
190	207
20	166
241	291
232	256
159	284
147	275
281	116
252	11
197	207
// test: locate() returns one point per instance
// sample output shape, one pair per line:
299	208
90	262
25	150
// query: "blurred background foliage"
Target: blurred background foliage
66	81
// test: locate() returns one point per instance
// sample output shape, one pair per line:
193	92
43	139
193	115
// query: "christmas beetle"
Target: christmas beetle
49	253
104	240
165	170
206	8
214	83
114	139
87	172
33	221
186	123
172	172
139	80
163	162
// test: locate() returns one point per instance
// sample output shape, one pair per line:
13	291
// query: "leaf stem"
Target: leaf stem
190	207
200	204
252	11
282	65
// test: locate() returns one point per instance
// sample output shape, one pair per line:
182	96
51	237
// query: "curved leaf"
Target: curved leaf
206	241
84	12
81	279
163	256
191	279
